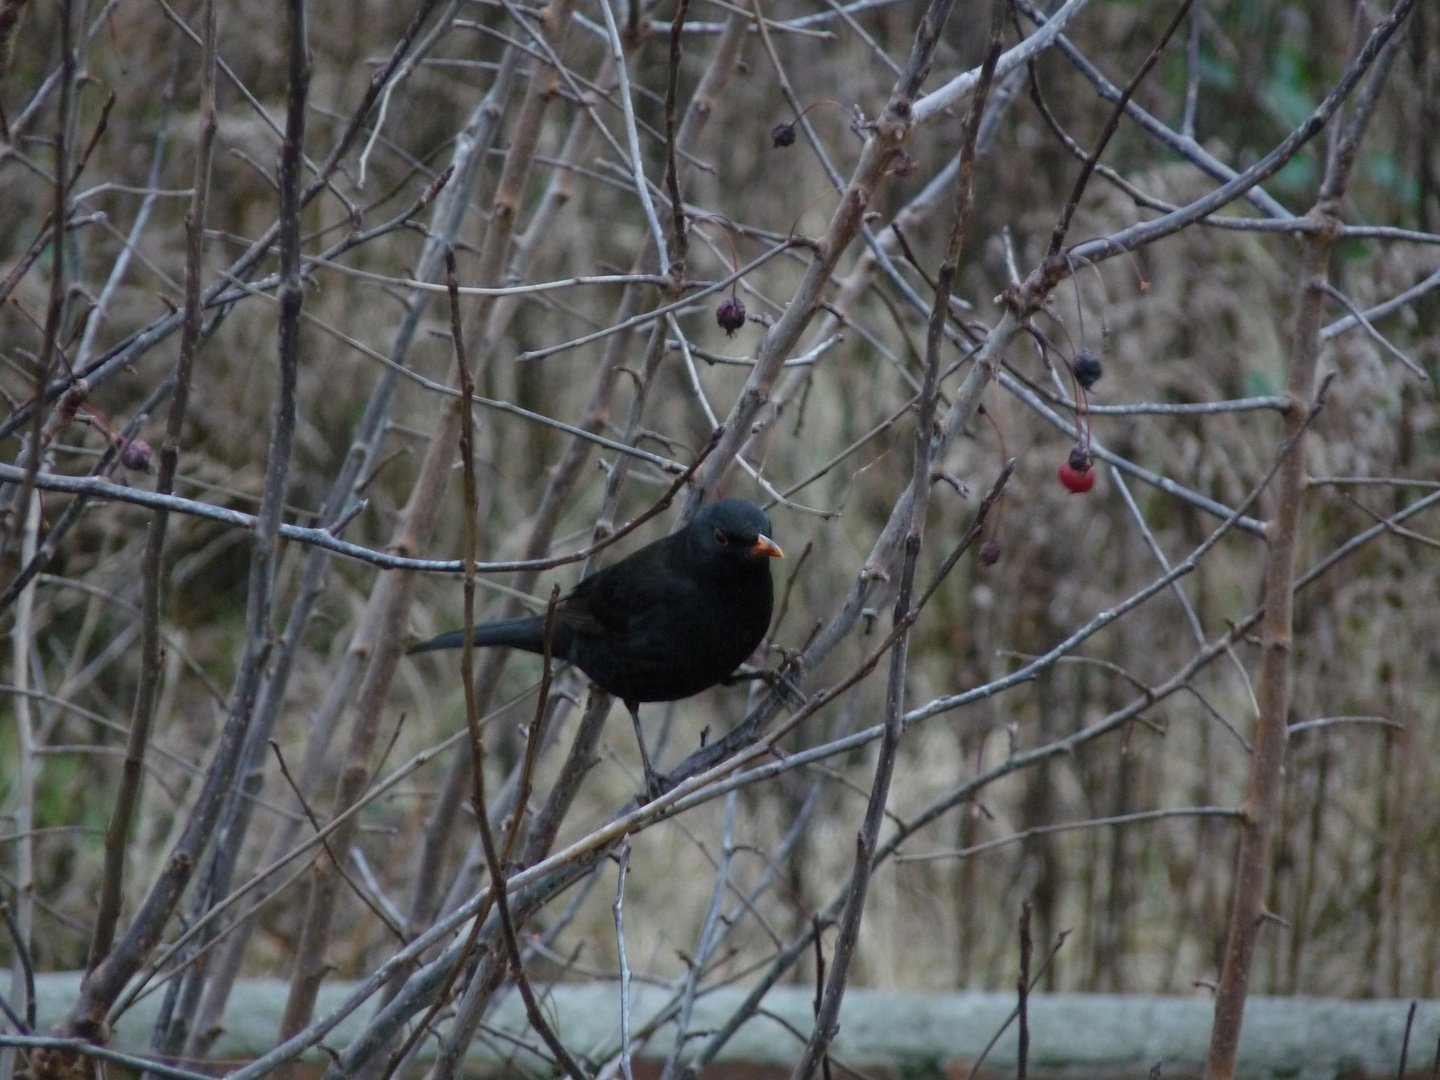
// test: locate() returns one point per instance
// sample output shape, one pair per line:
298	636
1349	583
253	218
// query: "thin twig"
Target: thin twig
127	799
1022	1005
1057	235
1405	1041
1384	342
635	158
618	910
385	920
493	858
974	1069
22	955
678	240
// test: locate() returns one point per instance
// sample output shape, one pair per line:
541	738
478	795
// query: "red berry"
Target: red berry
990	552
1077	480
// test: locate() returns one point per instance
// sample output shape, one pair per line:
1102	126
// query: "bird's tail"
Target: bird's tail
527	632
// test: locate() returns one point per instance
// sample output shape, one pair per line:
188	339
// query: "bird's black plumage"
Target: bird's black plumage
669	621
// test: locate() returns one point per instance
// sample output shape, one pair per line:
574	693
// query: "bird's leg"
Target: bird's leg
654	782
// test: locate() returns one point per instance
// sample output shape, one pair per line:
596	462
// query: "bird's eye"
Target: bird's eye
721	539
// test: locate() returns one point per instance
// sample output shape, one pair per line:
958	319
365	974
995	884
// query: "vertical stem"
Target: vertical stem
475	140
108	978
1192	70
828	1014
1267	761
23	816
1262	794
390	601
132	776
632	132
672	174
618	909
1022	987
55	309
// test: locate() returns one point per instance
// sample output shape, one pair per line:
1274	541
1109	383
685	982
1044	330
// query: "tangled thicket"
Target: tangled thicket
572	440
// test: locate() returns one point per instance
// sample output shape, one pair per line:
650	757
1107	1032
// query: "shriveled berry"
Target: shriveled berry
1078	473
990	552
731	315
135	455
782	135
73	398
1087	368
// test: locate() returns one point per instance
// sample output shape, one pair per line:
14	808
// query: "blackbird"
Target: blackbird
671	620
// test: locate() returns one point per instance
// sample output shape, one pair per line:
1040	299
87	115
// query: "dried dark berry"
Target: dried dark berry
1078	473
1087	368
731	315
782	135
990	552
74	397
135	455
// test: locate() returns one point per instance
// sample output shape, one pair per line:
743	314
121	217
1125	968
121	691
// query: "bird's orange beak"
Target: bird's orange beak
765	546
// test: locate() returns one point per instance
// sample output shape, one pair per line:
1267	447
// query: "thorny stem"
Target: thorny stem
1262	794
678	240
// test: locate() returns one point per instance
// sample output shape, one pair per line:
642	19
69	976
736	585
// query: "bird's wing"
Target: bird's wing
610	601
576	610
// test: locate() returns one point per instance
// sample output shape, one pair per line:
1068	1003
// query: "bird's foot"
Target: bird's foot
656	784
778	681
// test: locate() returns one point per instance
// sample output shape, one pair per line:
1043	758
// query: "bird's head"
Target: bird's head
733	529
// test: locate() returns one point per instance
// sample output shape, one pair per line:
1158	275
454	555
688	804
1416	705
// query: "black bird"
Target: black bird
671	620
